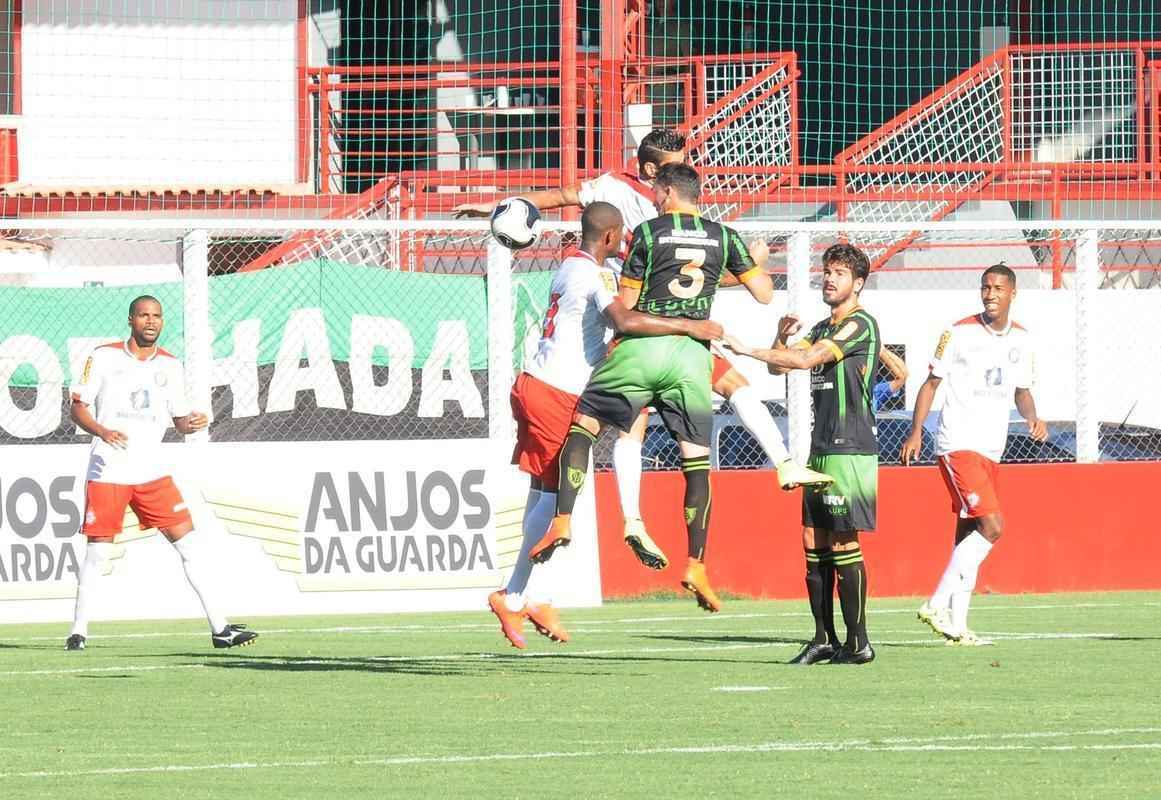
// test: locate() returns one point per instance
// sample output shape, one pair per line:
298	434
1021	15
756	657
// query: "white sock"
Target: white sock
756	417
627	465
96	554
964	568
195	558
543	577
538	513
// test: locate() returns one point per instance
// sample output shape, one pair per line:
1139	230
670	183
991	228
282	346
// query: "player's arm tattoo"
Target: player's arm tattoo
823	351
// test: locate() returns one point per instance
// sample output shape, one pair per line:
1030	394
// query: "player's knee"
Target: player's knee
729	383
991	527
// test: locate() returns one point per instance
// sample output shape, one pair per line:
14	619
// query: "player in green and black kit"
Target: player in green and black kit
842	354
673	269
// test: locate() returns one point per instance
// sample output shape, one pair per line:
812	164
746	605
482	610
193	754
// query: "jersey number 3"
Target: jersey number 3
691	270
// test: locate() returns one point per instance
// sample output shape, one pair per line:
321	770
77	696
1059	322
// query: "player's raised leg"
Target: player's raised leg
627	463
755	417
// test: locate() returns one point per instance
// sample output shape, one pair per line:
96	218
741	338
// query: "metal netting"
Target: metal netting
318	348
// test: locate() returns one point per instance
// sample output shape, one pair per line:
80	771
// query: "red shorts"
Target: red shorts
157	504
543	416
721	367
971	479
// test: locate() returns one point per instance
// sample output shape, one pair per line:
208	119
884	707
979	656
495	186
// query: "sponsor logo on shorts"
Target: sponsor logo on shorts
973	500
179	507
835	501
90	517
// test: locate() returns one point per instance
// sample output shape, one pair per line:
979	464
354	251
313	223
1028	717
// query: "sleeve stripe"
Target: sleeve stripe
834	348
632	283
752	272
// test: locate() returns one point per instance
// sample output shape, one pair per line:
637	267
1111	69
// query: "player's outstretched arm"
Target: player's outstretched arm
191	423
549	198
820	352
636	323
81	415
787	327
1026	405
914	441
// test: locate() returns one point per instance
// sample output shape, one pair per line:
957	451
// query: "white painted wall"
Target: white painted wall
158	93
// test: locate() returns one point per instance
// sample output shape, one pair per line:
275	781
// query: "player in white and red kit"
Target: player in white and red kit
129	394
582	314
984	362
632	195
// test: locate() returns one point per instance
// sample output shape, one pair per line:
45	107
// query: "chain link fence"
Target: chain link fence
386	332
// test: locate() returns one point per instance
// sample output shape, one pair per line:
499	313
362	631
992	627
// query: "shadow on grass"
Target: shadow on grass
469	665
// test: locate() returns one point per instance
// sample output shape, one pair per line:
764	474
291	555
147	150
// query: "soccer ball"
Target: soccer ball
516	223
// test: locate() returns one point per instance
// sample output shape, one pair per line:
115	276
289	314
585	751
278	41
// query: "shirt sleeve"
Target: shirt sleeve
603	288
853	338
88	387
942	358
590	191
633	273
738	259
176	396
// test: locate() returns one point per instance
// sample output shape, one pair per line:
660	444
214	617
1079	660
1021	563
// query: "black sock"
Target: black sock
697	503
820	590
574	463
826	567
852	591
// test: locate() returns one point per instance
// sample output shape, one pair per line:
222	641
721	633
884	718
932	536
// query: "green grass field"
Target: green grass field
651	699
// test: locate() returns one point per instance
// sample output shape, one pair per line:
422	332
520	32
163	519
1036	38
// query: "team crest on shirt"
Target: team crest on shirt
845	331
160	378
139	399
609	281
1014	355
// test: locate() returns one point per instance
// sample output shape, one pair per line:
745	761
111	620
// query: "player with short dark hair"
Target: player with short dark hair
842	354
672	271
633	196
984	362
136	390
584	307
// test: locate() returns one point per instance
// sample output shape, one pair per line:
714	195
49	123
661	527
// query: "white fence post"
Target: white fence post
196	308
798	382
501	338
1088	268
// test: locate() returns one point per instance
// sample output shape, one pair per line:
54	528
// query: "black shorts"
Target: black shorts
848	504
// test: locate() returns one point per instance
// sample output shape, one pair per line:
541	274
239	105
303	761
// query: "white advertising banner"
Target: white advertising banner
297	527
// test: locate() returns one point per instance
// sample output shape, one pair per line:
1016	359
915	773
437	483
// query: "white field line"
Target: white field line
559	652
969	742
746	688
723	618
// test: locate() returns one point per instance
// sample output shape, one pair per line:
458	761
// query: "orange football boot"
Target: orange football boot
511	622
697	583
546	621
559	535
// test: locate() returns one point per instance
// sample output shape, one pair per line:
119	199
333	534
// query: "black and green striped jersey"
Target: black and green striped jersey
677	260
844	414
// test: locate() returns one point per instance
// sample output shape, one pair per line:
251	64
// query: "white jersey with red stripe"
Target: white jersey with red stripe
576	334
630	195
980	369
139	398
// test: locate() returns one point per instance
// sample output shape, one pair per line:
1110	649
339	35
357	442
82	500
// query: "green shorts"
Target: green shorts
850	502
670	373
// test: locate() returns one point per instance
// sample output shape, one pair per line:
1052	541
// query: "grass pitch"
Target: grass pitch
651	699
